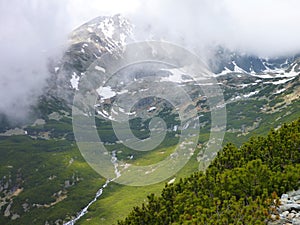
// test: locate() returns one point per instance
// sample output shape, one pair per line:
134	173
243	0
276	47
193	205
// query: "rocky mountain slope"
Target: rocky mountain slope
86	44
224	61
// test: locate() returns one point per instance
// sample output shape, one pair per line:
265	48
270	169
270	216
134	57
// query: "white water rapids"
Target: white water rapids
114	161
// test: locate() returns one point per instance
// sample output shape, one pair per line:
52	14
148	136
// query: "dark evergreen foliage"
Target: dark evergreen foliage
239	187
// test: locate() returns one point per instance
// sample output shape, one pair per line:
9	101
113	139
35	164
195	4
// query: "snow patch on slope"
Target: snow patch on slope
75	81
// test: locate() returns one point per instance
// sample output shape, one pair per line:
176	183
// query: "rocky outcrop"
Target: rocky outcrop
88	42
289	210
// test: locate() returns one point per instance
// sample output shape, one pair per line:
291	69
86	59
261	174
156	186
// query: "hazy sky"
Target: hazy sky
34	30
264	27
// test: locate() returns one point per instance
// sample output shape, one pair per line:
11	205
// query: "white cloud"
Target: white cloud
80	11
264	27
31	32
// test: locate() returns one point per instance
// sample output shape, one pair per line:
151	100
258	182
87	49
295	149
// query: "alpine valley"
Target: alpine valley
44	179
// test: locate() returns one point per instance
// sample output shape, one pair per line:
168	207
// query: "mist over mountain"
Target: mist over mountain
34	31
31	33
261	28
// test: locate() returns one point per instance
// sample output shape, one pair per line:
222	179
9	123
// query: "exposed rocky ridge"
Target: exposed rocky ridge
106	34
288	213
242	76
87	43
225	61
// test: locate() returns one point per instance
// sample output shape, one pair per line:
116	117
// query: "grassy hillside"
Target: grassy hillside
46	172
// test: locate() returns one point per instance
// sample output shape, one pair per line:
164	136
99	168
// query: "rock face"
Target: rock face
226	61
87	43
289	210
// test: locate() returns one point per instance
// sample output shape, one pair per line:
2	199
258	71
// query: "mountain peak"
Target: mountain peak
103	34
106	32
